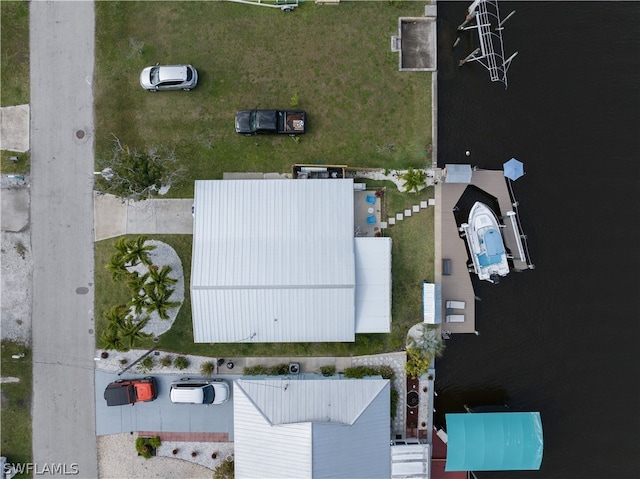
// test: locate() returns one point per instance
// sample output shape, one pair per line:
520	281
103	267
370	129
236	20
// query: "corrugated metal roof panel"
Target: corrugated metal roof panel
340	426
272	315
458	173
373	285
273	232
280	237
361	450
261	450
285	401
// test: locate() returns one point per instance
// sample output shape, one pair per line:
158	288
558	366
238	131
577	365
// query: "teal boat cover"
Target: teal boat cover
503	441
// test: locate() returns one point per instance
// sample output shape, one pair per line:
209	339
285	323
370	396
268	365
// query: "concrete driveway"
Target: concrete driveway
160	414
115	217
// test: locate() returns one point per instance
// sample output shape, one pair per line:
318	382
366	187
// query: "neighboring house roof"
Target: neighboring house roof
273	261
373	285
312	428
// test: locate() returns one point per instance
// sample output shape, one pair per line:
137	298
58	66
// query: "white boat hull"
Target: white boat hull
486	245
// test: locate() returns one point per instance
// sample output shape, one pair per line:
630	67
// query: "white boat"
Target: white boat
486	246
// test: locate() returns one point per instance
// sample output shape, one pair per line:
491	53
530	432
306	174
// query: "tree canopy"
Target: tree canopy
138	175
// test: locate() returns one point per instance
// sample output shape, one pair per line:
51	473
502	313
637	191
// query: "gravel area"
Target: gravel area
117	459
393	176
163	255
113	362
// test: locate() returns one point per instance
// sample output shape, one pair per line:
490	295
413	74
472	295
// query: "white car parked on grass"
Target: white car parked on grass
169	77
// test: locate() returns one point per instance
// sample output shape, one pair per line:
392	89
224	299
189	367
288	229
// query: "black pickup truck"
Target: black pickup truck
285	122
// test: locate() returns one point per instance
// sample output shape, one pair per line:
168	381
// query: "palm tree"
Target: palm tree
158	300
111	340
161	276
122	246
137	251
138	303
414	180
131	332
136	282
428	342
115	316
117	267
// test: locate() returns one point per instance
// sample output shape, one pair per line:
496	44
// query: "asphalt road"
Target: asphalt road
62	62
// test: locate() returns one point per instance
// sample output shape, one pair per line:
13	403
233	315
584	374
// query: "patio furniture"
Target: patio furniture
456	304
371	219
446	266
371	199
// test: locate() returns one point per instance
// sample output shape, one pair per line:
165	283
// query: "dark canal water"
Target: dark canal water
562	339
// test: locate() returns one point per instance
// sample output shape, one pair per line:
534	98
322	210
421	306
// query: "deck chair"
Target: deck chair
371	199
371	219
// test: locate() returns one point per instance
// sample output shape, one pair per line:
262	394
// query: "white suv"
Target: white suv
197	391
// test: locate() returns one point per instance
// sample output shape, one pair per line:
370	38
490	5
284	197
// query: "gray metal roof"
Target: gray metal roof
312	428
458	173
273	261
432	303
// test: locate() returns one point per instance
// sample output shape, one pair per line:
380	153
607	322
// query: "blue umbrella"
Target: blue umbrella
513	169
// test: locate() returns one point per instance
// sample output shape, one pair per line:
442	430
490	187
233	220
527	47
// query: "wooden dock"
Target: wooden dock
457	286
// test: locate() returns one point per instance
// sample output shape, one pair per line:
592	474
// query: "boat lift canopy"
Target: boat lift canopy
502	441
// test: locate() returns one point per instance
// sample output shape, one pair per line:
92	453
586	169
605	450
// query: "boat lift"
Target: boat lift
285	7
484	16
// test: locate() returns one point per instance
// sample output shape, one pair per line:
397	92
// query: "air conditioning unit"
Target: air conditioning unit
294	368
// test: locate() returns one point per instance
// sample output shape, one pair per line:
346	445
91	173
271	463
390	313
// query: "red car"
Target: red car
131	391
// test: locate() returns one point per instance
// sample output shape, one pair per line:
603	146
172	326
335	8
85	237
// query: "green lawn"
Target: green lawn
14	70
361	111
336	59
14	53
412	261
16	404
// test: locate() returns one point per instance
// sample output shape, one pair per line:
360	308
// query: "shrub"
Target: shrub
155	442
395	396
146	446
166	360
124	361
417	363
328	370
146	364
260	370
257	370
207	369
224	470
278	370
358	372
181	362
